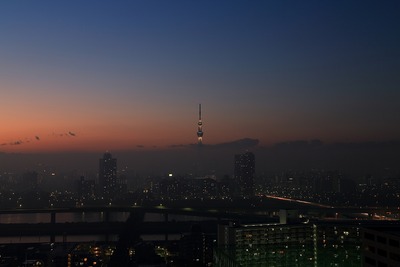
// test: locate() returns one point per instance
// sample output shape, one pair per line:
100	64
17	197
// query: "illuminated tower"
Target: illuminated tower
199	129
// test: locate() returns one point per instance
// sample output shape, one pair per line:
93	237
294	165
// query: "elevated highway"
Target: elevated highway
105	226
256	212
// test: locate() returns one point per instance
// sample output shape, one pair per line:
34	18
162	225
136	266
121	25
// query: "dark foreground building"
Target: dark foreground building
381	246
281	245
244	174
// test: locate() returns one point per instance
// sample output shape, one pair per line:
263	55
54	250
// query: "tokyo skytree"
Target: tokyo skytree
199	129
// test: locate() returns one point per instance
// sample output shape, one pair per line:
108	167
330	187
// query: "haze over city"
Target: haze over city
199	133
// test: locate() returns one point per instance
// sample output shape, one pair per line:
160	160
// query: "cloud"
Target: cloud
37	138
68	134
316	143
15	143
241	143
140	146
368	145
245	142
297	144
181	145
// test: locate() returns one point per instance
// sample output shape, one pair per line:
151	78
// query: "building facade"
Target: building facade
381	246
265	245
244	171
108	176
281	245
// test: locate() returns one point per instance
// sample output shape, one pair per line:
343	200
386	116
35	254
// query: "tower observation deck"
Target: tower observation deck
200	129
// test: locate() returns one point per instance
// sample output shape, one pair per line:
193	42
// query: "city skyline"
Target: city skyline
98	76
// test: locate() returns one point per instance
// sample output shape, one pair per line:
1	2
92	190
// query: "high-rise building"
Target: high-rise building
381	246
108	175
244	174
195	249
86	188
30	181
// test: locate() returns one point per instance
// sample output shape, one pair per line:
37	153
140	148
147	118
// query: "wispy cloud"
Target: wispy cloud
13	143
36	138
66	134
241	143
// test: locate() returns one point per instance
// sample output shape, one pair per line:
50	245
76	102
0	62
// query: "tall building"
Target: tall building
381	246
200	129
195	249
108	176
86	188
30	181
244	174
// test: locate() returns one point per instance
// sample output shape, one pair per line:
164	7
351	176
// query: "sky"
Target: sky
129	75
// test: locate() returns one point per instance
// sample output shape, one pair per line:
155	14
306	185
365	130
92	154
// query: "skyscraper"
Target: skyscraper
244	174
200	129
108	175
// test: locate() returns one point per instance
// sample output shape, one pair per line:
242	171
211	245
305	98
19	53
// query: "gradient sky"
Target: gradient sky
118	75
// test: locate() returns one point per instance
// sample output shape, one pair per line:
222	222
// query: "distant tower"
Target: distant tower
199	129
244	174
108	175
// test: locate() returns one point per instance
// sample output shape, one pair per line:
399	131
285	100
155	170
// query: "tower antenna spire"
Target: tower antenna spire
200	129
199	111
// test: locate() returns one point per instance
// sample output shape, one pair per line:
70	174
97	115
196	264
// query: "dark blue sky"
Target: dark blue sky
129	73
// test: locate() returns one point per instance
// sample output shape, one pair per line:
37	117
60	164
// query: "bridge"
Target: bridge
255	212
106	227
232	213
